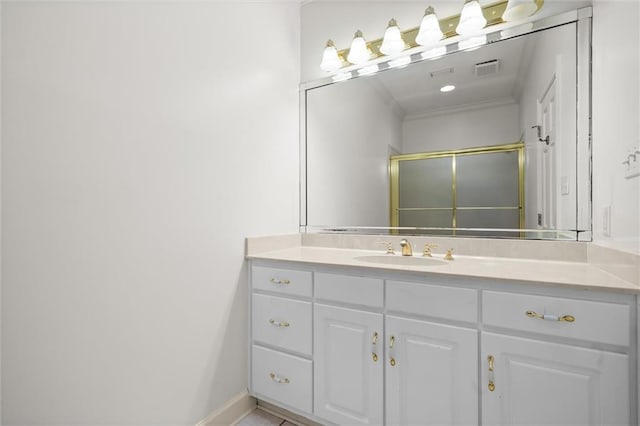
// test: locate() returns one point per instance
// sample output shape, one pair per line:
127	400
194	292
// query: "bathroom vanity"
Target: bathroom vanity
477	340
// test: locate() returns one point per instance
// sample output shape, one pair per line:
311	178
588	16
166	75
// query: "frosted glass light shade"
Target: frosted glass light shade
472	21
358	53
392	42
330	59
472	43
430	32
519	9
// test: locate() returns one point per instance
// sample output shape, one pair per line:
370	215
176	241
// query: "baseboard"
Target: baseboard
234	409
294	418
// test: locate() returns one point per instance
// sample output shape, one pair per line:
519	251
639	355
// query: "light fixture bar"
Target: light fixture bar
492	12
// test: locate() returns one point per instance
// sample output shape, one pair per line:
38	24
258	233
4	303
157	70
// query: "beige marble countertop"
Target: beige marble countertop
574	274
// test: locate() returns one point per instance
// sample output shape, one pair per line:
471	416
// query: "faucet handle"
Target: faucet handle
427	249
389	247
449	255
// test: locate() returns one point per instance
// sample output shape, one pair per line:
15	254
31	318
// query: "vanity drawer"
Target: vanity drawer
282	322
286	281
350	289
593	321
281	377
452	303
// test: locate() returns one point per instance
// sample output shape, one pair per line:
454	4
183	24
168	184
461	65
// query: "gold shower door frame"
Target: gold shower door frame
394	167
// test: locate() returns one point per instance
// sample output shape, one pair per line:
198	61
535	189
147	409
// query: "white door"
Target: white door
547	180
348	365
541	383
432	373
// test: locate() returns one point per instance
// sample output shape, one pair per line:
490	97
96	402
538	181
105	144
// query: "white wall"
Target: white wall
616	118
496	125
347	163
142	141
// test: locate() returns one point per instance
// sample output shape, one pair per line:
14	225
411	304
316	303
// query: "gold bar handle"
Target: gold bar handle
548	317
280	281
277	379
279	323
392	360
374	342
492	385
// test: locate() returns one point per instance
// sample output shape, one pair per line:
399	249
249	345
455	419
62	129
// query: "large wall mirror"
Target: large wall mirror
504	154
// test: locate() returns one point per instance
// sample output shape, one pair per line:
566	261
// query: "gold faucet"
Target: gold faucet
406	248
449	255
427	249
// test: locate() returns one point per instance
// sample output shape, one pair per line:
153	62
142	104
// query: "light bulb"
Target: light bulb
400	62
434	53
330	59
371	69
358	53
519	9
430	32
392	42
472	20
472	43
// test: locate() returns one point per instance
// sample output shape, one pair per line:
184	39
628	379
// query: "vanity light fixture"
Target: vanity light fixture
470	24
448	88
359	52
519	9
400	62
472	43
392	43
368	70
430	32
472	21
342	76
435	53
330	59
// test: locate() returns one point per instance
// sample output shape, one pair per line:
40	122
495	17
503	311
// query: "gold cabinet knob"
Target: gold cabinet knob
491	386
392	361
374	356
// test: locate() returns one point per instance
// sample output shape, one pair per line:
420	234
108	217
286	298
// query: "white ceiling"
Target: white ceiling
417	93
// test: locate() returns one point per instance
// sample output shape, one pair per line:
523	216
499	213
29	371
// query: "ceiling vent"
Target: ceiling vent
487	68
441	72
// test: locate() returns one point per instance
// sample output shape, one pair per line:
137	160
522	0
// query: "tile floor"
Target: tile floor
260	417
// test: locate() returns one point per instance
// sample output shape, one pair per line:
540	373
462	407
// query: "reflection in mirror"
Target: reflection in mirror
520	91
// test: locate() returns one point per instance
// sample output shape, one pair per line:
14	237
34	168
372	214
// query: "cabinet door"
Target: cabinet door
542	383
432	373
347	375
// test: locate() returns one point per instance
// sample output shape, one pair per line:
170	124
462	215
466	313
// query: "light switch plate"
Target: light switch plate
632	162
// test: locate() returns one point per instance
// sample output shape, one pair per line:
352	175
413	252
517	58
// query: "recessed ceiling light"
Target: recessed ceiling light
447	88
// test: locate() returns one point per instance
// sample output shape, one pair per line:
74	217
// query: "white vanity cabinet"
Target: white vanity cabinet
348	371
355	346
573	370
281	336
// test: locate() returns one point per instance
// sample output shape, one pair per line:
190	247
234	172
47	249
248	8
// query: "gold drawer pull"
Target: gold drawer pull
564	318
279	323
374	356
374	340
279	281
492	385
277	379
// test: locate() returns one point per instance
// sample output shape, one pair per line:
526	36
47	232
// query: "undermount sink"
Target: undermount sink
401	260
